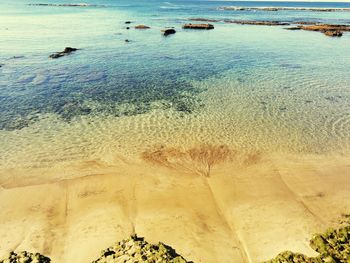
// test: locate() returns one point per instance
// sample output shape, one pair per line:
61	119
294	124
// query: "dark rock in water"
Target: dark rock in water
198	26
127	41
168	31
66	51
200	19
128	22
333	33
127	28
258	23
16	57
294	28
25	257
326	27
305	23
142	27
136	249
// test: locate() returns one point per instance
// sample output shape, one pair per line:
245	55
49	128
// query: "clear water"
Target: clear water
254	88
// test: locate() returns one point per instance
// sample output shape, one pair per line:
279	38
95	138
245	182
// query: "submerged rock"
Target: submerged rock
200	19
240	8
136	249
333	33
25	257
198	26
293	28
258	23
142	27
66	51
168	31
327	29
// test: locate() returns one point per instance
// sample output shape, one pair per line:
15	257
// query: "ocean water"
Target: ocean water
253	88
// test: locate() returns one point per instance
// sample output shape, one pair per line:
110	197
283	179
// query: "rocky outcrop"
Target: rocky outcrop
332	246
198	26
327	29
69	5
142	27
293	28
333	33
25	257
168	31
241	8
65	52
200	19
258	23
136	249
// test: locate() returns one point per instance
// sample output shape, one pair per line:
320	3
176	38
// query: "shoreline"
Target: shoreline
247	209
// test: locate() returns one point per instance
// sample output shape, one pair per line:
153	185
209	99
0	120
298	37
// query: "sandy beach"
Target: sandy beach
209	203
220	128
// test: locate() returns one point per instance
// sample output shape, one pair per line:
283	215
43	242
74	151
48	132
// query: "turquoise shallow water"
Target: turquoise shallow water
251	87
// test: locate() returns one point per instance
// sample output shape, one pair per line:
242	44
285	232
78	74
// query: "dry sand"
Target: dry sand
209	203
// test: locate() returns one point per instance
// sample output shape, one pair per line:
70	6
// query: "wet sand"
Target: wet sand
210	203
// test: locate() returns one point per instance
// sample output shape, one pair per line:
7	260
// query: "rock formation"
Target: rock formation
142	27
136	249
333	246
66	51
25	257
198	26
168	31
258	23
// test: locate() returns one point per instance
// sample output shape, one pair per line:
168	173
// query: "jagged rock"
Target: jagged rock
332	246
25	257
142	27
136	249
198	26
168	31
66	51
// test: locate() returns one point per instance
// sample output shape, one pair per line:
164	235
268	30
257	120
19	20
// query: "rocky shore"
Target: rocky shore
333	246
136	249
131	250
25	257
